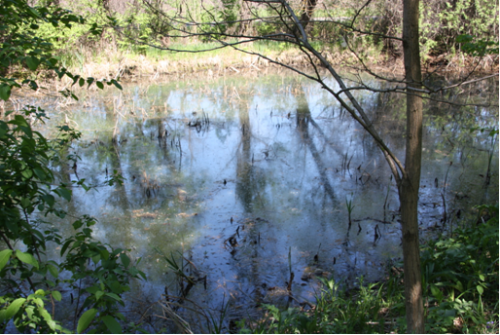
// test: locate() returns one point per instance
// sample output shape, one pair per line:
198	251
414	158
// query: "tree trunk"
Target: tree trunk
410	184
307	13
245	14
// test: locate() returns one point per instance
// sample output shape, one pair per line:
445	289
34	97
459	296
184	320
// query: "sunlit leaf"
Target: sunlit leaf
480	289
14	308
57	295
4	257
85	320
26	258
53	270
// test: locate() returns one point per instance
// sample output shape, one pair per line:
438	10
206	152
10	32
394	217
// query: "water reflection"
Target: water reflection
236	174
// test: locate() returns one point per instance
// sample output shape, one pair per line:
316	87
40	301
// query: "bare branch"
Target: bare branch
463	83
369	32
359	12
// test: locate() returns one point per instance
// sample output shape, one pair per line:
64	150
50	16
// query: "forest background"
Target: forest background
450	33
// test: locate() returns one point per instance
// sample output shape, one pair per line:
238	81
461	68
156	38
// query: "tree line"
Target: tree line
441	22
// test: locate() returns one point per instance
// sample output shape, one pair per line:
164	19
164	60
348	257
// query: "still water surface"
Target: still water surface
239	174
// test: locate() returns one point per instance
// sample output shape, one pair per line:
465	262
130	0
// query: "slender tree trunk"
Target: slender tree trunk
245	14
408	189
307	13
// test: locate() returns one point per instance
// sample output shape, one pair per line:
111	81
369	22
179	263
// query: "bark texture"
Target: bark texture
410	183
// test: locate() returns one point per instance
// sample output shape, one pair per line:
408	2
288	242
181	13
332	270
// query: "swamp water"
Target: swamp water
249	179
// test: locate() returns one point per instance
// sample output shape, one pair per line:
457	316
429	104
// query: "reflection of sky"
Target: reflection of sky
252	137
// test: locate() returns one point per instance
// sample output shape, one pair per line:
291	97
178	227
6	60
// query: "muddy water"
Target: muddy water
251	179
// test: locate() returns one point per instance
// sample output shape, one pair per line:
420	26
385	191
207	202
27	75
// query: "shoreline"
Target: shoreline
133	68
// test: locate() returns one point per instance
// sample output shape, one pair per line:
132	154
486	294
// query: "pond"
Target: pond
242	181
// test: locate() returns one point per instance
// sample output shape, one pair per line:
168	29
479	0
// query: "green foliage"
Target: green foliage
337	310
441	22
30	313
266	28
29	194
21	44
460	276
477	48
20	41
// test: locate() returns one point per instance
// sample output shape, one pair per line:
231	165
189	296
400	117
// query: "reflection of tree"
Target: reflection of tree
303	119
120	199
244	168
250	181
249	187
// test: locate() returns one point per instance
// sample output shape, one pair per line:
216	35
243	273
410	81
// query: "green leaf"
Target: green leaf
65	246
14	308
4	257
81	82
100	84
117	84
96	258
43	312
25	202
98	295
27	173
125	260
77	224
104	254
34	13
32	63
85	320
92	289
26	258
53	270
57	295
436	292
52	61
64	193
5	92
113	325
40	173
480	289
114	296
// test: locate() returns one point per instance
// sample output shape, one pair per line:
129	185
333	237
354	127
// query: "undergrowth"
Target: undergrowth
460	281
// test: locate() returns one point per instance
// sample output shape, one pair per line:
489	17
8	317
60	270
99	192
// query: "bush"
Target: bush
29	194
